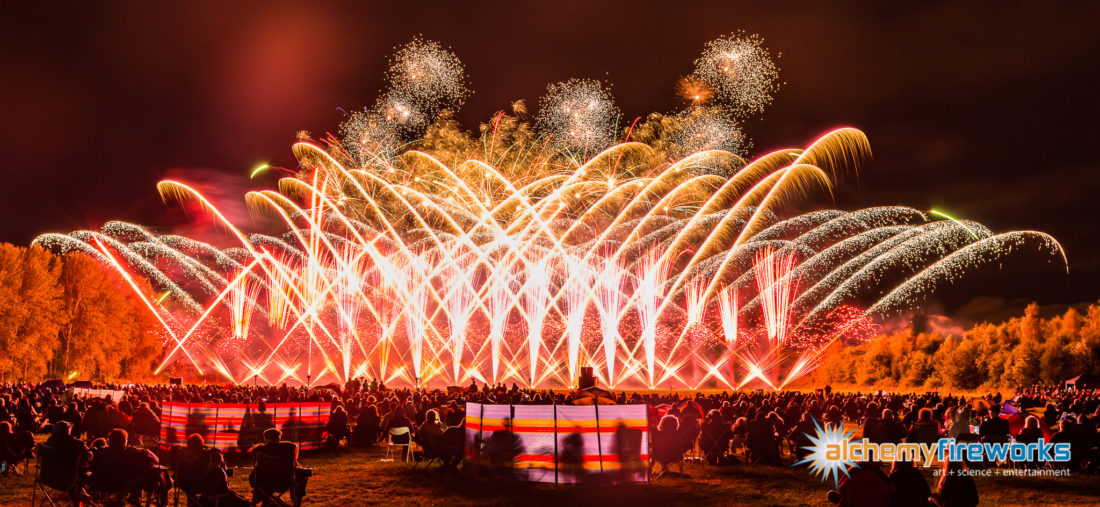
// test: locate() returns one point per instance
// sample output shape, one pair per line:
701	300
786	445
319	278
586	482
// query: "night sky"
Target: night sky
988	112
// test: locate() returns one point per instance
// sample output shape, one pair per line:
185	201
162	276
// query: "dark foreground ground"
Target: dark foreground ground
357	477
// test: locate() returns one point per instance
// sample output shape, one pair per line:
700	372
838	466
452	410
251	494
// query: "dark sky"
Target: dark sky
989	111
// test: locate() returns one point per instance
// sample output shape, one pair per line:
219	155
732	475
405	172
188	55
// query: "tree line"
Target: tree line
1023	351
66	316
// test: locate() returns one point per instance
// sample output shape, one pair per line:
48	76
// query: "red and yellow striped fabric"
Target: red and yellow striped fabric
240	426
547	443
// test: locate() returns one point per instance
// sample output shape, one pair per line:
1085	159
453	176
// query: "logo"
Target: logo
833	451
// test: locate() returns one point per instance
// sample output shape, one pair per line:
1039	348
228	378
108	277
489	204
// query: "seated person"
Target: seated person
800	435
956	488
64	461
432	429
864	486
14	446
337	427
431	438
398	419
761	439
667	447
994	429
912	488
202	474
145	422
276	469
118	468
925	430
714	438
366	426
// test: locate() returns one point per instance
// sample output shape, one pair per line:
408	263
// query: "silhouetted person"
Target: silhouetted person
202	474
924	430
571	457
292	427
956	488
714	439
66	466
1067	434
247	436
337	426
366	426
95	422
272	459
15	446
118	468
864	486
73	416
261	420
196	423
994	429
800	434
628	447
503	448
667	447
145	422
885	429
762	441
912	489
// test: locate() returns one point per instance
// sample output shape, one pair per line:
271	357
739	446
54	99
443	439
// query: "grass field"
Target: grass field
357	477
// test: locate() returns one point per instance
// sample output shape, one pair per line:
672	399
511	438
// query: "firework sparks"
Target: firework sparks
579	114
694	90
777	291
740	71
652	272
702	129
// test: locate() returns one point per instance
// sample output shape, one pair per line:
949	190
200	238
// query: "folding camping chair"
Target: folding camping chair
397	432
666	453
694	452
21	454
12	468
427	453
188	475
52	475
275	476
122	491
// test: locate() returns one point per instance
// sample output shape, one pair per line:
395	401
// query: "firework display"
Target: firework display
534	250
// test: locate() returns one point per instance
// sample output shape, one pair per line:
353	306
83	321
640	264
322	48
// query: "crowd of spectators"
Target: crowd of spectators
106	439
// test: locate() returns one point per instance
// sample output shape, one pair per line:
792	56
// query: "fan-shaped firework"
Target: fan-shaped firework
423	282
504	258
